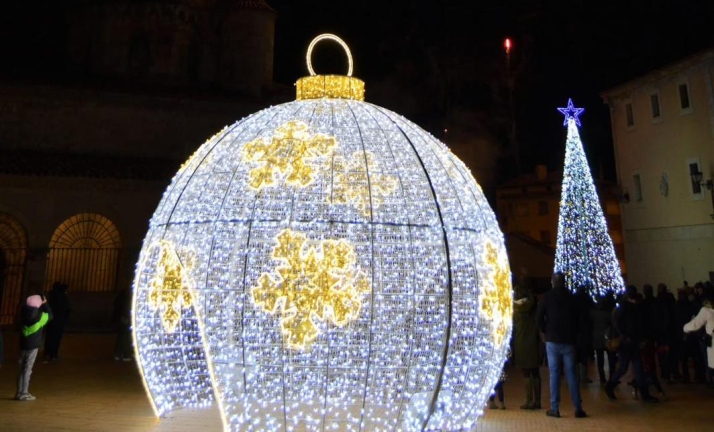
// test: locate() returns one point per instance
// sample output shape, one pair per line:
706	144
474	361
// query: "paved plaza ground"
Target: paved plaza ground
98	394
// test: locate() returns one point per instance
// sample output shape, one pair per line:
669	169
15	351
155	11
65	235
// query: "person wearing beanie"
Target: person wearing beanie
36	313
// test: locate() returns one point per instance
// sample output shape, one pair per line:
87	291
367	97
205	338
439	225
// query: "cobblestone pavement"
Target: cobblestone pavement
103	395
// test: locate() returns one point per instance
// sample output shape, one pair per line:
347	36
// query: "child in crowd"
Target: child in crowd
36	313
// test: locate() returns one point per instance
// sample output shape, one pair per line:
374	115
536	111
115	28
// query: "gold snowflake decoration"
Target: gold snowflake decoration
170	287
496	297
353	186
313	283
291	153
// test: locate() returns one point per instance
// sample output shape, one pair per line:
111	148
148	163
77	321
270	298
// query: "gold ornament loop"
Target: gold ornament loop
328	36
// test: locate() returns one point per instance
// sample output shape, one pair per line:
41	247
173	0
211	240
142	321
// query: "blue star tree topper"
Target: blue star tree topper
571	112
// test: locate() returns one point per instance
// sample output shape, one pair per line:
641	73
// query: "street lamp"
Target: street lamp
709	184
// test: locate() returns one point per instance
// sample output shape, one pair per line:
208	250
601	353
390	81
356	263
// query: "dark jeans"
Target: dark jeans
669	361
687	350
630	353
703	372
611	362
584	353
562	356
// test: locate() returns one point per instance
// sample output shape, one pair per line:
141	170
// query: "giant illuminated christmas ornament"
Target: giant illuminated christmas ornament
324	264
584	251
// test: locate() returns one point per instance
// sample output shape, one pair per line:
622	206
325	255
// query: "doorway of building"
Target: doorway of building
84	254
13	255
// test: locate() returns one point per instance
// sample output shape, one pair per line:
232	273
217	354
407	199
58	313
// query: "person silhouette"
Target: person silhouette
61	309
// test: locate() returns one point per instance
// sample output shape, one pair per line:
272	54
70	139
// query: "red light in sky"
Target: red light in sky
507	44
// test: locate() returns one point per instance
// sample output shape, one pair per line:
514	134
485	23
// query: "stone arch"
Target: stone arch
84	253
13	254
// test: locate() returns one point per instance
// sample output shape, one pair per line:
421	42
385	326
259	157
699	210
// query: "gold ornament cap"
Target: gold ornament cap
329	86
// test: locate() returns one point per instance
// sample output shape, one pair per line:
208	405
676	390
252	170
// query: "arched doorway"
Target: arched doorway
84	254
13	253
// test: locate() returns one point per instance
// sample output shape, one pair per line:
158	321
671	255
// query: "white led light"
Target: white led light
344	269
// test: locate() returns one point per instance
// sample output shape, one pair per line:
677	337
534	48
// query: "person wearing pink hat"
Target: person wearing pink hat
36	313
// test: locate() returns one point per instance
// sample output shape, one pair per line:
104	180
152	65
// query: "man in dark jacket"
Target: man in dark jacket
36	313
666	346
61	309
686	343
526	342
630	325
557	318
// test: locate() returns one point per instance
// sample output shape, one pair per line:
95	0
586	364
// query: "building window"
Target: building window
13	256
684	96
84	254
545	236
542	208
654	102
693	169
522	209
638	187
629	114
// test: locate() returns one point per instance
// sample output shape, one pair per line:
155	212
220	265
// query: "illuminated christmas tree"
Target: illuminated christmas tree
584	251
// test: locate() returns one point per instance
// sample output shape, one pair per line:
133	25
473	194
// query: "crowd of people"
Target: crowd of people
659	337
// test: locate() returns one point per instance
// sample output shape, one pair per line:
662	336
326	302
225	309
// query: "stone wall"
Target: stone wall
82	120
227	45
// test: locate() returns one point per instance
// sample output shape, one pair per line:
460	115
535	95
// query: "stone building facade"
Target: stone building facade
83	166
663	130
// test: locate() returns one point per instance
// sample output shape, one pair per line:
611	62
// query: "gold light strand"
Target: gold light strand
497	298
291	153
329	86
313	283
169	288
352	186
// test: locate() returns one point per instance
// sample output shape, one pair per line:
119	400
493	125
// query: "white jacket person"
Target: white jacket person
705	318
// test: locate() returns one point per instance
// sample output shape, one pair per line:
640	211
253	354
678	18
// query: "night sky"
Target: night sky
442	63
